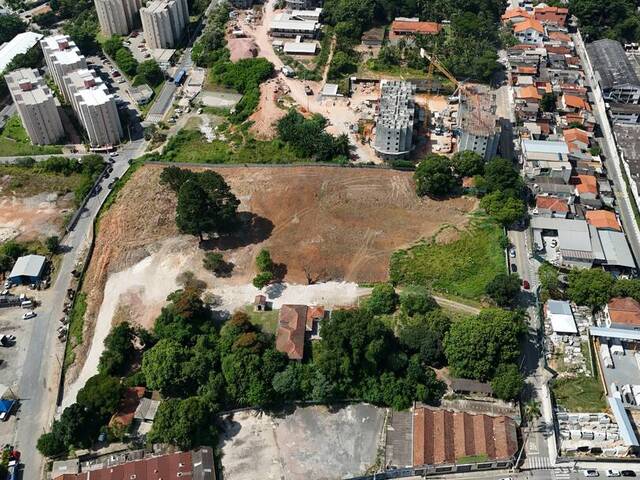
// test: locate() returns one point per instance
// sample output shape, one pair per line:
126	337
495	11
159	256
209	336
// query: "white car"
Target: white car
613	473
29	314
590	473
512	253
114	154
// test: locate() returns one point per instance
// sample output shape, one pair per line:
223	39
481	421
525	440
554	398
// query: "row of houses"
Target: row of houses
573	222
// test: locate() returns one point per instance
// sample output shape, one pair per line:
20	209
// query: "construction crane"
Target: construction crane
435	63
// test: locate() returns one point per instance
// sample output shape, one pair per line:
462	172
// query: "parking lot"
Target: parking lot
137	45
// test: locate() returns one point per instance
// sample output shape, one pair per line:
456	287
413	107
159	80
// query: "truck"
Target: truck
179	78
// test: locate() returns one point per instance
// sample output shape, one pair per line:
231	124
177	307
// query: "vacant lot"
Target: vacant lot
313	443
461	268
580	394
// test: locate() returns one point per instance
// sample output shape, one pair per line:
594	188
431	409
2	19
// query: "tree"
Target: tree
626	287
150	71
100	395
383	300
532	410
503	208
162	366
548	102
126	62
468	163
416	300
53	244
504	289
112	45
264	262
507	382
425	335
184	423
10	26
501	175
434	177
119	350
592	287
549	282
475	346
213	261
83	28
262	279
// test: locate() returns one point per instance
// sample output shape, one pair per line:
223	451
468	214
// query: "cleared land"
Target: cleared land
312	443
580	394
462	267
323	223
14	141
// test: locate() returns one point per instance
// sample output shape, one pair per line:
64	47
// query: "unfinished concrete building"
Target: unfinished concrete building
396	119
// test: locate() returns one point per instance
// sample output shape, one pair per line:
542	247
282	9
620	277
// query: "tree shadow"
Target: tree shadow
251	229
279	272
225	269
275	290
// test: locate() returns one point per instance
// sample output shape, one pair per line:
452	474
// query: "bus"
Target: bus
179	78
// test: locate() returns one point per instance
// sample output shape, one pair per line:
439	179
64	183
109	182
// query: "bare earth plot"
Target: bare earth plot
331	226
310	444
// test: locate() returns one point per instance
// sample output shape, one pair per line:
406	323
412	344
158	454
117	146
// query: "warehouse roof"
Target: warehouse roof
572	234
20	44
616	249
611	64
624	424
561	317
620	333
28	266
545	146
300	47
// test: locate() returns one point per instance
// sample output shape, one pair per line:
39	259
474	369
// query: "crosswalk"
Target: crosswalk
536	462
561	474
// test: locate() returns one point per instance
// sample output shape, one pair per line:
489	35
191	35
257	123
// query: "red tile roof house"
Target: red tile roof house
447	437
408	28
622	313
295	322
551	15
548	206
194	465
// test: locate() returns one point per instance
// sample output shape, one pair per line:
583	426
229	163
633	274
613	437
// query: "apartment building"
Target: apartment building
117	17
36	106
62	57
163	22
95	107
394	127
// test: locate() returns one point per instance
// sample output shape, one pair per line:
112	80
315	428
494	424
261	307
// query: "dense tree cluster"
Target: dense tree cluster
618	19
210	46
504	289
10	26
206	203
309	138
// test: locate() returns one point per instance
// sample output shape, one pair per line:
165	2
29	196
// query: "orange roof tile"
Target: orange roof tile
603	219
292	322
586	184
529	92
525	69
624	310
554	204
516	12
576	102
529	23
127	407
574	135
560	36
424	28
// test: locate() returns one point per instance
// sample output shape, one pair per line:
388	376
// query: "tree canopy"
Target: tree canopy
10	26
590	287
504	289
434	177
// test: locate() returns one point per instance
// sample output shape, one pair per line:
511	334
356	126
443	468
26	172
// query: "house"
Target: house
573	103
194	465
559	314
603	219
529	94
515	15
471	387
146	411
443	437
623	313
300	48
551	15
550	206
27	270
529	31
586	187
547	158
295	324
260	303
373	37
577	139
408	28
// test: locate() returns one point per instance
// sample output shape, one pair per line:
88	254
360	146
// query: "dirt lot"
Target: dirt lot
326	225
268	112
310	444
33	217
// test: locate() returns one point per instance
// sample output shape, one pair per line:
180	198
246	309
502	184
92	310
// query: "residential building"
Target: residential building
443	437
27	270
574	104
550	206
95	107
622	313
289	26
62	57
465	386
195	465
396	119
117	17
296	323
478	129
373	37
559	314
529	31
298	47
409	28
547	158
603	220
577	139
514	15
551	15
614	72
310	14
36	106
163	22
20	44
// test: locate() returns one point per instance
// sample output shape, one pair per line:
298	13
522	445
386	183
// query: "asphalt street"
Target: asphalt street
38	386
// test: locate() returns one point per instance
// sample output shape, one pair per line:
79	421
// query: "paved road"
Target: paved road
612	159
38	386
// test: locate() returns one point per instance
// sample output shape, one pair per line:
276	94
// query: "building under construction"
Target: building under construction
396	119
478	128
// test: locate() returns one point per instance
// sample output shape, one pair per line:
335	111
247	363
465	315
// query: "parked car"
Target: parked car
512	253
28	315
5	292
115	74
7	284
307	90
590	473
7	340
525	285
628	473
113	154
613	473
514	268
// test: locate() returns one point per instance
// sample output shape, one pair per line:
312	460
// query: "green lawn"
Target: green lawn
267	321
14	141
190	146
461	268
580	394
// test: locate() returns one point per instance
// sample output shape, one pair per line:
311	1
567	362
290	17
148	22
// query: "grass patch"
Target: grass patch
580	394
190	146
76	323
25	182
461	268
472	459
267	321
14	141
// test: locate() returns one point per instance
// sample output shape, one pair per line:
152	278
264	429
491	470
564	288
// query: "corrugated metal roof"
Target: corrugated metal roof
624	424
611	64
544	146
28	266
21	43
616	249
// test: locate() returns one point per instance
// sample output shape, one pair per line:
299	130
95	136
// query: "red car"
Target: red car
525	285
